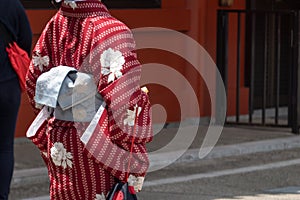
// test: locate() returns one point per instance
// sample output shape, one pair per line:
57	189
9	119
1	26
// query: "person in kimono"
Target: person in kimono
13	21
83	162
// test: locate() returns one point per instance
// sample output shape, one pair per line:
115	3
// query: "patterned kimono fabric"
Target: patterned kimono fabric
89	39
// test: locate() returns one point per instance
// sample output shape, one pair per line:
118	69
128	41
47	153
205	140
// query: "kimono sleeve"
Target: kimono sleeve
127	117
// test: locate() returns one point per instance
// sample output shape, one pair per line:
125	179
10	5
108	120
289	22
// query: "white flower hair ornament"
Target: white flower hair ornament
71	3
112	63
60	156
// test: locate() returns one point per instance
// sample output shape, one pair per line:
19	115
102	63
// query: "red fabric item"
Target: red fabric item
20	61
119	196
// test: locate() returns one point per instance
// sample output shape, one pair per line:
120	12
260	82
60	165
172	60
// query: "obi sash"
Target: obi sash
70	95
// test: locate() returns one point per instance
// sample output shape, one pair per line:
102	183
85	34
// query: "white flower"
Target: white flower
72	4
100	197
60	156
40	61
136	182
112	64
131	116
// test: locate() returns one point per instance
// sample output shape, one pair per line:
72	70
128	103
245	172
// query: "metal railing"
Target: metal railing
270	58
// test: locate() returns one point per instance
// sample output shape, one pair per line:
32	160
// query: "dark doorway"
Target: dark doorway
271	62
270	36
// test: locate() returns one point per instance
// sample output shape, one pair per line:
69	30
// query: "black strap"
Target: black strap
5	34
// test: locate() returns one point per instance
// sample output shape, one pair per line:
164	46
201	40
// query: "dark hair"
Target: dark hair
55	4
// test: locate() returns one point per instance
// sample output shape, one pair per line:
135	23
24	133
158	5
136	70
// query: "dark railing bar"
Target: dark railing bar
278	56
252	68
225	18
222	59
265	72
238	62
295	74
222	51
291	64
297	21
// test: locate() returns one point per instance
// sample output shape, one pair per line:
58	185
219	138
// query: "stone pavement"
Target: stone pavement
236	150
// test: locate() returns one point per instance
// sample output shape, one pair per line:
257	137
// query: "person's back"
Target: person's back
14	20
89	39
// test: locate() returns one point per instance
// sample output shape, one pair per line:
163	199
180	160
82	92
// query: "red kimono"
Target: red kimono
89	39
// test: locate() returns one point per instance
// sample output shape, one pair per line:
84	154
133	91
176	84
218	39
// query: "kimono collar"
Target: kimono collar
87	8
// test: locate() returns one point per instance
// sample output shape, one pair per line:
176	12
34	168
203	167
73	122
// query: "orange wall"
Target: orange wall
195	18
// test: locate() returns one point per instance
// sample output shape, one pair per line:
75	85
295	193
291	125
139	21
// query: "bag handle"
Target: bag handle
144	89
132	143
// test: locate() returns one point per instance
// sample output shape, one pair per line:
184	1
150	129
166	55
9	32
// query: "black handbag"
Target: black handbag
121	190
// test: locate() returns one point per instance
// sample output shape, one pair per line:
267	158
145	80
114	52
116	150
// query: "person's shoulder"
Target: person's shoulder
110	23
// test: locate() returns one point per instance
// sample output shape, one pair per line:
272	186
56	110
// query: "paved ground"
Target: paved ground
239	177
248	163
